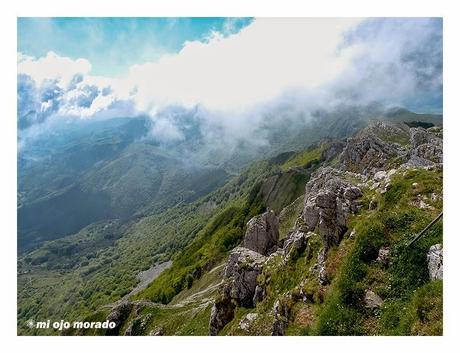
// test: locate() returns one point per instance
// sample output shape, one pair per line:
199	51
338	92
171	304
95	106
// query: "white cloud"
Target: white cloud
52	67
255	65
269	67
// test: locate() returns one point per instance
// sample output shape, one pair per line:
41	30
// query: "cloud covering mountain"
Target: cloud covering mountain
232	81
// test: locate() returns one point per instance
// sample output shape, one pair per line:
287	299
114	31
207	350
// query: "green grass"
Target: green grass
211	245
303	159
402	284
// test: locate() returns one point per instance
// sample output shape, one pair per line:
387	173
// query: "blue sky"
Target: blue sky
112	45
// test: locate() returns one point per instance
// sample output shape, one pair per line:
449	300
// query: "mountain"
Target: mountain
312	241
101	172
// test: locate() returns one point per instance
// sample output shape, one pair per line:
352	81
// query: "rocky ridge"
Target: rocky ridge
369	160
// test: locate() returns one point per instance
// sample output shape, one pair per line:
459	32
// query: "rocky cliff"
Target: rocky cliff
368	167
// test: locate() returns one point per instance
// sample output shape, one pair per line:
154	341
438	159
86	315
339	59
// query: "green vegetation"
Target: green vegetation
391	225
77	276
211	245
98	265
303	159
412	305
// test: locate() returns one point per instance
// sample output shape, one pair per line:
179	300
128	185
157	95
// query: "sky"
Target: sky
231	68
112	45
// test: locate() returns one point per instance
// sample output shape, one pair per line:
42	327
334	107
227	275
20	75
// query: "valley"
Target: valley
156	208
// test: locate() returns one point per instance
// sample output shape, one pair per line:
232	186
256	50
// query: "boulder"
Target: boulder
118	315
243	267
383	256
280	321
238	288
372	300
222	311
435	262
329	199
262	233
380	175
246	321
295	243
158	331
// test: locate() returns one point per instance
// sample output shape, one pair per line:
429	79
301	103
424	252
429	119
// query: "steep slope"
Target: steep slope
109	255
343	268
300	284
139	178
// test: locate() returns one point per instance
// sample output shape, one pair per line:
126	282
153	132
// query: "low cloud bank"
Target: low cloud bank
232	85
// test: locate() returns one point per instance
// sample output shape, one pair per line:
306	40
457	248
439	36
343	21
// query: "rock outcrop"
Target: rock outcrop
383	256
239	286
222	311
368	161
295	243
435	265
329	200
118	315
280	322
241	271
425	146
375	147
372	300
262	233
246	321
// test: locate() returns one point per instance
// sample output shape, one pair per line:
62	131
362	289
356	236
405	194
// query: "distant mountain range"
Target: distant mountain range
83	172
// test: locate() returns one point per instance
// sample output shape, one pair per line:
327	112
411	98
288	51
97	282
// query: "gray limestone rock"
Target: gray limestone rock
435	262
262	233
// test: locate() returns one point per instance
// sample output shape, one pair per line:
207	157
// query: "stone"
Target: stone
158	331
321	267
262	233
280	322
383	256
352	193
426	149
373	204
352	234
118	315
243	267
222	312
259	295
246	321
380	175
295	243
435	262
391	172
372	300
329	200
368	152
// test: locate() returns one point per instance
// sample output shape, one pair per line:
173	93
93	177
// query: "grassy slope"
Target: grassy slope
71	284
275	190
412	304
